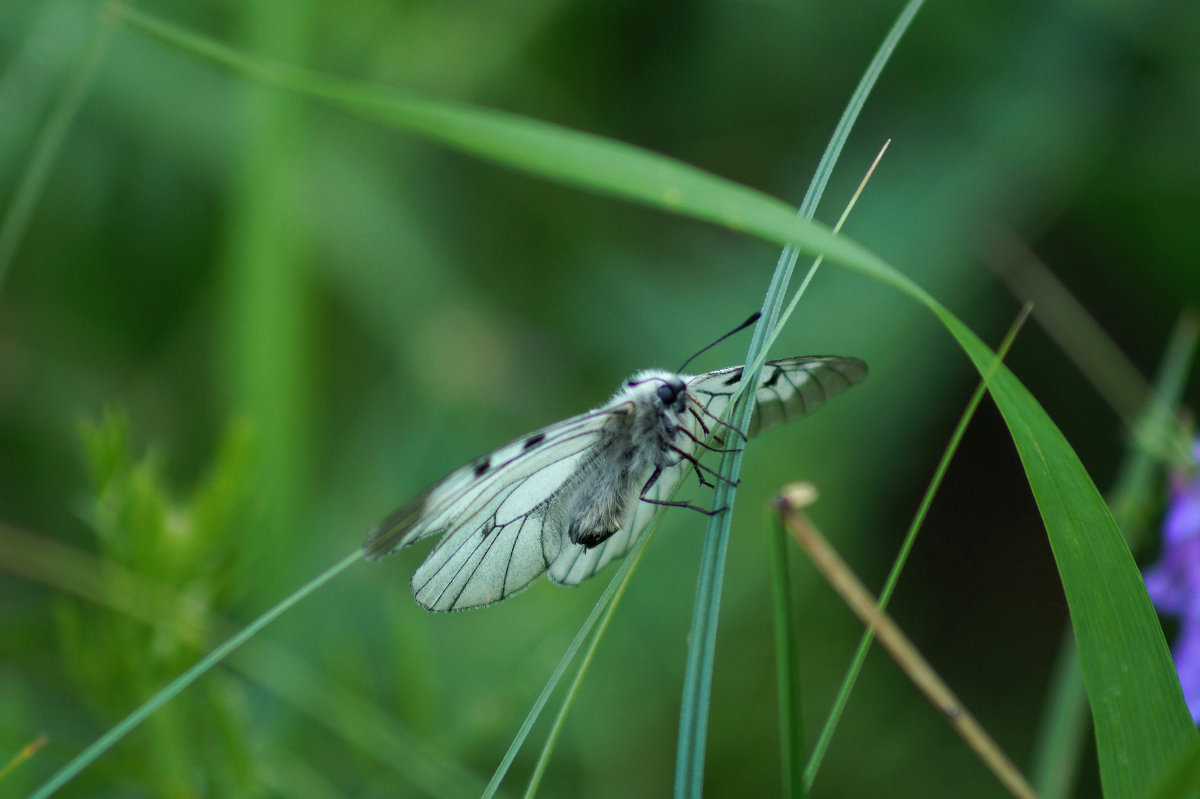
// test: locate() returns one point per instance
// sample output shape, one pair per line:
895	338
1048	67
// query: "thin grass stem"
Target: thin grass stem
32	180
791	728
603	608
556	728
918	670
693	717
150	706
864	644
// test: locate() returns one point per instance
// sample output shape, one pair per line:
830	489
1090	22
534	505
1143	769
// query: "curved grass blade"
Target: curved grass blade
697	685
554	152
689	766
1141	722
1063	729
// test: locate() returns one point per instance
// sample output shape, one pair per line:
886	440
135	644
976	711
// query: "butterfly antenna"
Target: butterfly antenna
753	318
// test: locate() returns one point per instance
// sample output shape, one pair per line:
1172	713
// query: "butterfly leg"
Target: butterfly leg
666	502
718	420
700	421
687	456
699	474
697	465
705	444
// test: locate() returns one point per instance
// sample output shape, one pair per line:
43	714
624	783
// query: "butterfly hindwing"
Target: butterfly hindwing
787	388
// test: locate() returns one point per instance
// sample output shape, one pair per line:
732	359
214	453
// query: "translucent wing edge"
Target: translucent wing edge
464	492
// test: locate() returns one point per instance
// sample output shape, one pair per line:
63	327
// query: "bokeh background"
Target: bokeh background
240	327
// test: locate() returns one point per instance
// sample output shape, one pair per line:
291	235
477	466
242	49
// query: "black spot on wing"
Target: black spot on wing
773	379
490	474
533	441
733	379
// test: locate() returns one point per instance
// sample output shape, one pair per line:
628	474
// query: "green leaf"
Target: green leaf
1135	500
1183	779
1142	724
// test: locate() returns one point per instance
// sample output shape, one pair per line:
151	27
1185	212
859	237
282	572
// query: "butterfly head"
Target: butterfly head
665	391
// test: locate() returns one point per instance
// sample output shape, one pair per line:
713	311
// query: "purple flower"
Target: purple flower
1174	582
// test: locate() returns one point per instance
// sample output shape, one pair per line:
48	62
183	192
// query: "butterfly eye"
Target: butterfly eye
667	393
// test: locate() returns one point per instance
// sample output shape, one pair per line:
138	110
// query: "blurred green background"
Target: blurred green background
240	327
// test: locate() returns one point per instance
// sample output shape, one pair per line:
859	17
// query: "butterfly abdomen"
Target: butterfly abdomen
634	445
598	504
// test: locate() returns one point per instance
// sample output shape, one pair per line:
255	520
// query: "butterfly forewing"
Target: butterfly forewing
496	539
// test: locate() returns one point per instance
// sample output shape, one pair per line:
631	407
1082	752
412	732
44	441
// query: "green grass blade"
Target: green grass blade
837	142
697	680
554	152
1141	721
603	608
791	729
1142	725
808	207
689	766
33	178
130	722
621	582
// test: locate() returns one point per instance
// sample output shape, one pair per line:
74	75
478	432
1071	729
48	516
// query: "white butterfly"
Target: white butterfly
573	496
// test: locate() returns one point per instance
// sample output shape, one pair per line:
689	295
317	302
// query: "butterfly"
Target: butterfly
568	499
